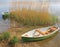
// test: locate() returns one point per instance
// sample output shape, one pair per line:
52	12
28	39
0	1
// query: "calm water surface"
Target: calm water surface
4	24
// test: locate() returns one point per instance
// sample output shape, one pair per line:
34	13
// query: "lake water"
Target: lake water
4	24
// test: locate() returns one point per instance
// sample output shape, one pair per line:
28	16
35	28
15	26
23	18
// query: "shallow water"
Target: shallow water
4	24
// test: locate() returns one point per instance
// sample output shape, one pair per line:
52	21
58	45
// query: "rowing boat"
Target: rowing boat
32	35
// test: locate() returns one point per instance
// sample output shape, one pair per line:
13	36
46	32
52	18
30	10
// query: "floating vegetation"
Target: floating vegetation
5	15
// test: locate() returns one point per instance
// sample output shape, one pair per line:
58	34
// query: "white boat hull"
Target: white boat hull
41	37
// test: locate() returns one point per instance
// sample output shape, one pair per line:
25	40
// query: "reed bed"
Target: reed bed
32	17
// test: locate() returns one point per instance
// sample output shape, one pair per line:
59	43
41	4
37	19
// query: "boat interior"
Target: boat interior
41	32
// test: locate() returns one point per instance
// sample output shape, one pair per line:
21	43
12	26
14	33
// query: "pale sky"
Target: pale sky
7	1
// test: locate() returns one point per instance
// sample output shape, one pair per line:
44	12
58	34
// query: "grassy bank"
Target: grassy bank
13	36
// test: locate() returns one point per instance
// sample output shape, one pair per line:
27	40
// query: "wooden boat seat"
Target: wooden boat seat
40	32
53	28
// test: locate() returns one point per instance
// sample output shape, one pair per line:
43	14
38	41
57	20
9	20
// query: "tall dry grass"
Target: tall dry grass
32	17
